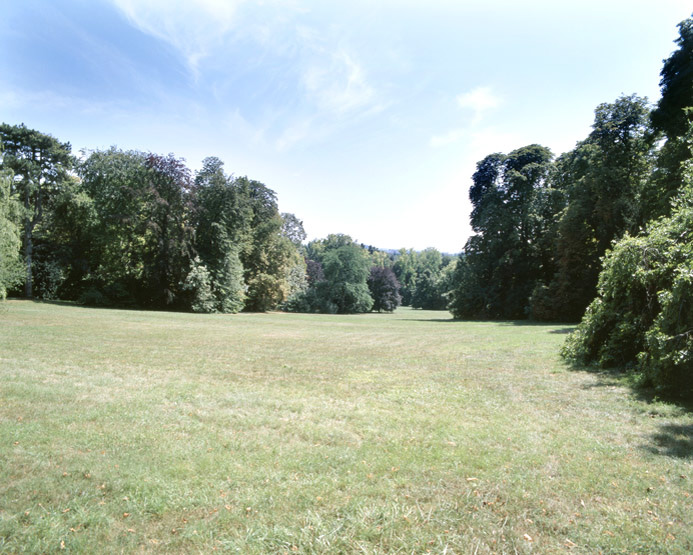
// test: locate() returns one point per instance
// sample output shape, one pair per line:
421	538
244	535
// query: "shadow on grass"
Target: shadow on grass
439	320
673	440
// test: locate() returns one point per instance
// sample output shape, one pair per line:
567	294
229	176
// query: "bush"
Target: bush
642	319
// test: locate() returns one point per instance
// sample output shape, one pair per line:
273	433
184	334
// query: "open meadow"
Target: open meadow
126	431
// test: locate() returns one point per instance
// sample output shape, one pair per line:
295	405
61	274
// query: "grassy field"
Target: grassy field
124	431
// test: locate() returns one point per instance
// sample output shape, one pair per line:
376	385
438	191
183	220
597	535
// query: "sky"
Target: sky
365	117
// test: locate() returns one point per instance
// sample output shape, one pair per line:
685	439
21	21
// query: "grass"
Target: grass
125	431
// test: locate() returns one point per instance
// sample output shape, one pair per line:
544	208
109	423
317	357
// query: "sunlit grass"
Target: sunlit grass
126	431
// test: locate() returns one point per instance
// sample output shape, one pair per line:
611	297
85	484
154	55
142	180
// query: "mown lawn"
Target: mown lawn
124	431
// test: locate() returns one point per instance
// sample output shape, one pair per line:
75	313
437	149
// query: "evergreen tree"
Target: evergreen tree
40	164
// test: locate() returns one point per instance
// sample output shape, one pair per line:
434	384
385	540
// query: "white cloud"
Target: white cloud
448	138
480	100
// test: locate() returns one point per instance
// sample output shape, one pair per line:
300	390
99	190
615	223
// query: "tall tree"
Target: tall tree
169	234
10	242
267	255
672	118
40	164
502	263
219	219
642	319
141	240
603	179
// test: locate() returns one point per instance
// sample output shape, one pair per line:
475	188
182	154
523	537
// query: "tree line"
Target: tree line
141	230
602	234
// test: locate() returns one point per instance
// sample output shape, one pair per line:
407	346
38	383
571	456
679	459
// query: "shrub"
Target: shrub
642	319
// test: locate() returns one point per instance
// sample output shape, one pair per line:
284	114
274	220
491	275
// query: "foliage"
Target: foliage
336	276
266	254
384	288
292	229
406	270
168	238
199	284
643	316
422	279
10	216
344	290
116	181
676	86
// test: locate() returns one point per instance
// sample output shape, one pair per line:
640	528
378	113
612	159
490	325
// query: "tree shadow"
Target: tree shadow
563	331
673	440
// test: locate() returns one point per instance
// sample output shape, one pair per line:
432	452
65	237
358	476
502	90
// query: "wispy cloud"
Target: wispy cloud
194	28
308	78
337	83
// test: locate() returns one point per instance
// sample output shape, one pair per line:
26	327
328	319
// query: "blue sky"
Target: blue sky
366	117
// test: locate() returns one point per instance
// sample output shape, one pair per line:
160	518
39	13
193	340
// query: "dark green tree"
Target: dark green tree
168	238
40	164
671	118
602	179
384	289
406	269
141	240
501	264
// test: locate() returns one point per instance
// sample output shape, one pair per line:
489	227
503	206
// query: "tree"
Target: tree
384	288
501	265
405	268
337	272
344	290
267	255
220	224
602	179
672	118
141	238
10	243
40	164
168	237
292	229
